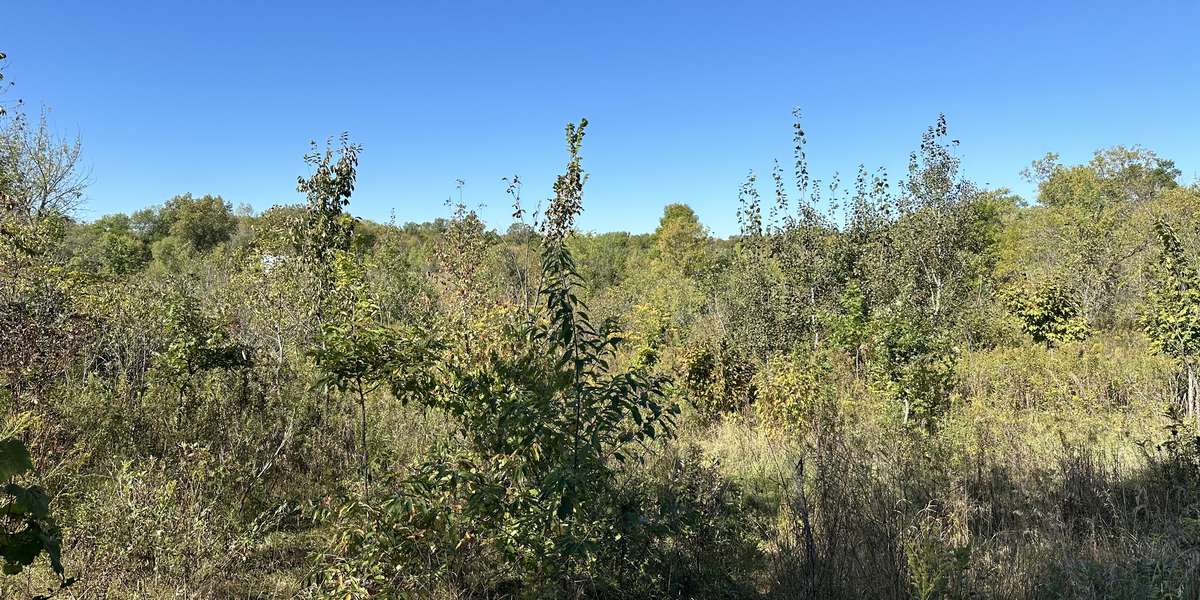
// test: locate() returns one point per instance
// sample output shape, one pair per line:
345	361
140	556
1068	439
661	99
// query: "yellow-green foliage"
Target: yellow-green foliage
153	532
716	380
890	403
1104	371
937	566
790	388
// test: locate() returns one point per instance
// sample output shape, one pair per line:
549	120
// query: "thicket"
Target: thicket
920	388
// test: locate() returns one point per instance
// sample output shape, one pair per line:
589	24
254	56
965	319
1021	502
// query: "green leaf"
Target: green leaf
14	459
22	548
31	501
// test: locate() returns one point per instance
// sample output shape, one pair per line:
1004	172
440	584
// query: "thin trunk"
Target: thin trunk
366	456
1191	394
937	296
812	301
810	546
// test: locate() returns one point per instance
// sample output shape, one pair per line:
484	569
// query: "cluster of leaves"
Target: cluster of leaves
915	366
326	227
1172	316
1046	313
716	381
28	530
196	344
791	389
541	421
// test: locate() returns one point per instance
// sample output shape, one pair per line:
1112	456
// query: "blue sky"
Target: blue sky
683	98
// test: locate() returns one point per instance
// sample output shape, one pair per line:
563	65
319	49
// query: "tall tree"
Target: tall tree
1172	315
934	232
325	229
202	223
40	175
1086	232
681	240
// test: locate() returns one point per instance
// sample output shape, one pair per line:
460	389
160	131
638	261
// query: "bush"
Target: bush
788	390
913	365
716	379
153	530
1105	371
683	533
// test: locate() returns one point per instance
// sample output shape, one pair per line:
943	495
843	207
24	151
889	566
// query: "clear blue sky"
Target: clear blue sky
683	98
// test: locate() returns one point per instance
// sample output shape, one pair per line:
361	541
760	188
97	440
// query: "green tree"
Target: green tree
201	223
1172	314
681	241
326	229
109	245
357	354
934	236
1114	175
1089	231
606	260
1047	313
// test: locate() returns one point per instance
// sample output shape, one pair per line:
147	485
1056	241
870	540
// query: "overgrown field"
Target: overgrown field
920	388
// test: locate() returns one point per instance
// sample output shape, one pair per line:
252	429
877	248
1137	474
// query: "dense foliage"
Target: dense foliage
921	388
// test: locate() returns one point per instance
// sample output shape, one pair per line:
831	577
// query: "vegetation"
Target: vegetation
922	388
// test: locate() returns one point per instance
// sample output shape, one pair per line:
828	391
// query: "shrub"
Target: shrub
1105	371
914	366
683	533
789	389
716	380
1047	313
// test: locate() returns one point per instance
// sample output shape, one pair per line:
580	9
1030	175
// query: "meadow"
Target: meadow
908	387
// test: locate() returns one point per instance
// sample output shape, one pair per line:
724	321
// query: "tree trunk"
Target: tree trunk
812	302
366	452
937	297
1191	394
